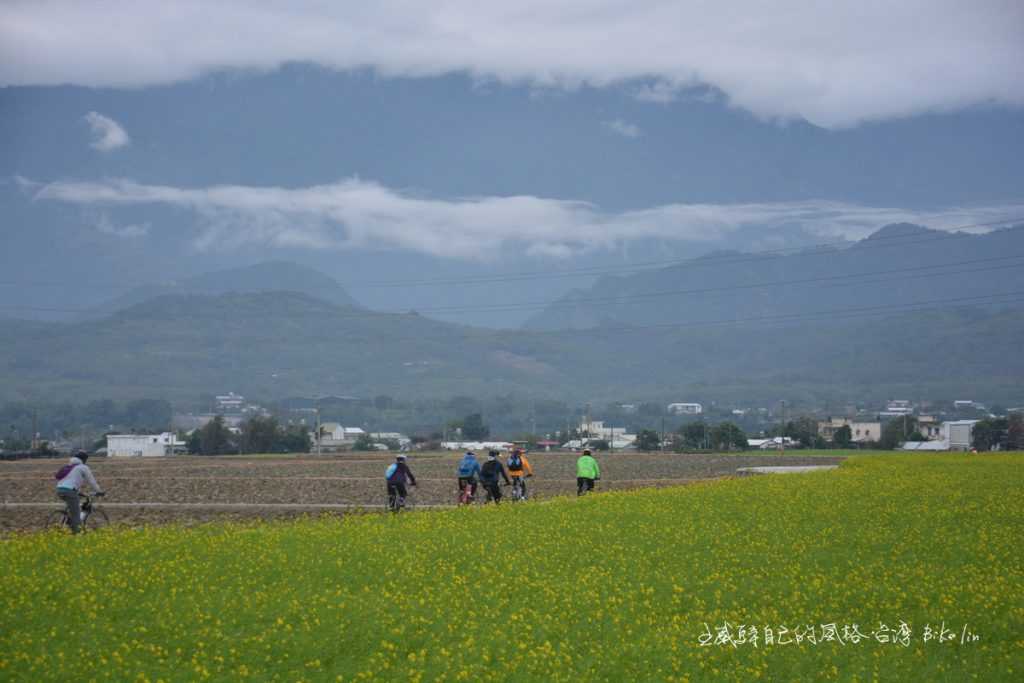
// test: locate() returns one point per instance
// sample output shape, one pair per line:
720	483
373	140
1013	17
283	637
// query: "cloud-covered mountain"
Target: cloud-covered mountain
899	264
376	180
271	276
835	64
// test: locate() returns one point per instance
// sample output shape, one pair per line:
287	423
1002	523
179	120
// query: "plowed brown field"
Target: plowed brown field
194	489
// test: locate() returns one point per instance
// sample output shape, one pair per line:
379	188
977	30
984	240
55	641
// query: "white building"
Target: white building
685	409
142	445
477	447
401	439
230	403
335	435
930	428
774	443
617	437
860	432
897	409
958	434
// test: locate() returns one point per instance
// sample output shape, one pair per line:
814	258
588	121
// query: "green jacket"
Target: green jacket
587	467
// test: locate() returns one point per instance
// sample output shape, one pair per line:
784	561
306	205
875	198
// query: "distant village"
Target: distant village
912	427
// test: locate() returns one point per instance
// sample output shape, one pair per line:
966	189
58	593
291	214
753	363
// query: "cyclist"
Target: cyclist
587	472
519	469
69	481
469	470
489	474
396	475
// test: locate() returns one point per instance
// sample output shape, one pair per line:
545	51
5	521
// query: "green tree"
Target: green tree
843	436
1015	432
990	433
648	440
294	439
474	429
804	430
693	435
215	438
261	435
148	414
364	442
896	431
651	409
729	437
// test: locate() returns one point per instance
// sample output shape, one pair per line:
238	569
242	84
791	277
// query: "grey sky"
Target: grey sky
832	63
457	140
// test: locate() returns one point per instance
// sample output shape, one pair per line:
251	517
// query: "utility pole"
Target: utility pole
782	437
318	435
662	443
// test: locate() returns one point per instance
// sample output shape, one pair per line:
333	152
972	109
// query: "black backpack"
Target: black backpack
490	470
515	462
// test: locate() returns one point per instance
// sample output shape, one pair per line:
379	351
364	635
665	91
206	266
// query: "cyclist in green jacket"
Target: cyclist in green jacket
587	472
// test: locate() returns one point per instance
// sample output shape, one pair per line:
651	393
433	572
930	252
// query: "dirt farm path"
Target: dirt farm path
193	489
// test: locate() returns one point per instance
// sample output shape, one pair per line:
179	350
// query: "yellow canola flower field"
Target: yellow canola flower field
898	567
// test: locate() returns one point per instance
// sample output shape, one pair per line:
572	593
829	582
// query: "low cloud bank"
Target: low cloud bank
355	213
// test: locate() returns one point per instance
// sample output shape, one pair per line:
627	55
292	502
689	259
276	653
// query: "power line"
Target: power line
856	278
1000	298
839	247
831	314
698	261
915	272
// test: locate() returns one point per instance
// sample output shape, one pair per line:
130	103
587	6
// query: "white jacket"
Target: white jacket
73	479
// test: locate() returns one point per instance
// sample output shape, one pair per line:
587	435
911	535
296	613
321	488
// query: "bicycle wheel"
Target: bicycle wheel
97	520
57	519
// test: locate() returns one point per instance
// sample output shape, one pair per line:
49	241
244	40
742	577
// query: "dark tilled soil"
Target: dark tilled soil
350	480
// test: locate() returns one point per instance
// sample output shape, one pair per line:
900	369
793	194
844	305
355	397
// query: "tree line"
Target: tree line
259	434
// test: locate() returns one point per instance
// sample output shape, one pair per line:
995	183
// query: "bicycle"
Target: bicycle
396	502
518	492
93	517
466	496
492	492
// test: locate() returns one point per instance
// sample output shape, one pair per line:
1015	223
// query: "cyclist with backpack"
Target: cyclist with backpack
396	475
587	472
489	474
69	481
519	470
469	470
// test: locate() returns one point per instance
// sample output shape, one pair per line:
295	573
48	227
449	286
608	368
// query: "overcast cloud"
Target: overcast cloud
623	128
106	132
356	213
834	63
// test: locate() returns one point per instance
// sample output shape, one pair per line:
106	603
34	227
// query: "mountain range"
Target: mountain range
899	263
269	276
277	330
